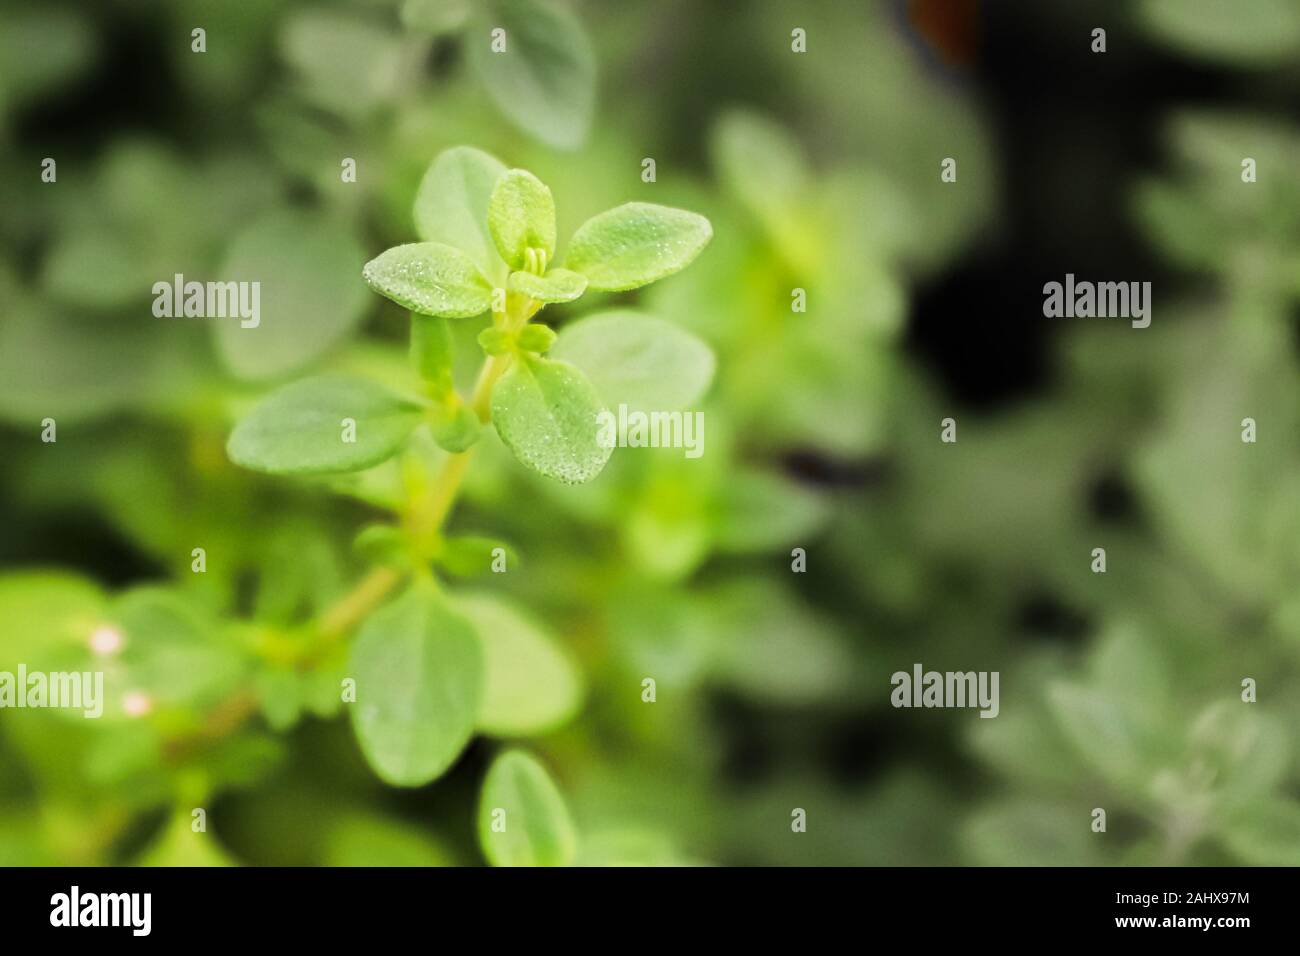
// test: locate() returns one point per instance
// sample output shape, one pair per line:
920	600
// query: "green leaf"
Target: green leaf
536	338
432	352
309	300
635	244
760	512
545	79
532	684
1265	833
638	360
1261	32
558	285
761	164
451	206
431	279
171	652
435	17
383	544
46	613
522	819
347	63
455	427
419	673
521	216
548	415
300	428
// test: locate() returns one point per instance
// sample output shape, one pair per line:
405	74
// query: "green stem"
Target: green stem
345	614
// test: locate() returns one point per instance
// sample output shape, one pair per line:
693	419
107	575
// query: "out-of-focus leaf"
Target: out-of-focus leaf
301	428
309	299
1265	833
545	79
762	165
1261	33
532	685
522	818
347	63
638	360
419	678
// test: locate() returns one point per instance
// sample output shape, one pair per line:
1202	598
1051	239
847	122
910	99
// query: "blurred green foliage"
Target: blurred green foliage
818	172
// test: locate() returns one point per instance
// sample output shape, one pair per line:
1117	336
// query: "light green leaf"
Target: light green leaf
432	353
46	613
635	244
545	79
535	338
347	63
419	673
451	206
1099	731
761	164
431	279
308	297
548	415
435	17
522	819
639	360
300	428
761	511
521	216
532	684
170	652
1262	31
455	426
558	285
1265	833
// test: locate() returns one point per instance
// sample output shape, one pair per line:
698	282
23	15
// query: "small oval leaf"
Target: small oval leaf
532	684
521	216
635	244
548	415
558	285
419	674
431	279
302	428
522	819
544	79
639	360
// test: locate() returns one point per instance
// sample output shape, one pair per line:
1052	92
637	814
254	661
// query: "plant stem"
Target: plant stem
344	614
374	587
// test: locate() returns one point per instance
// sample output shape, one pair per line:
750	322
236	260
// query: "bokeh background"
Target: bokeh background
819	171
